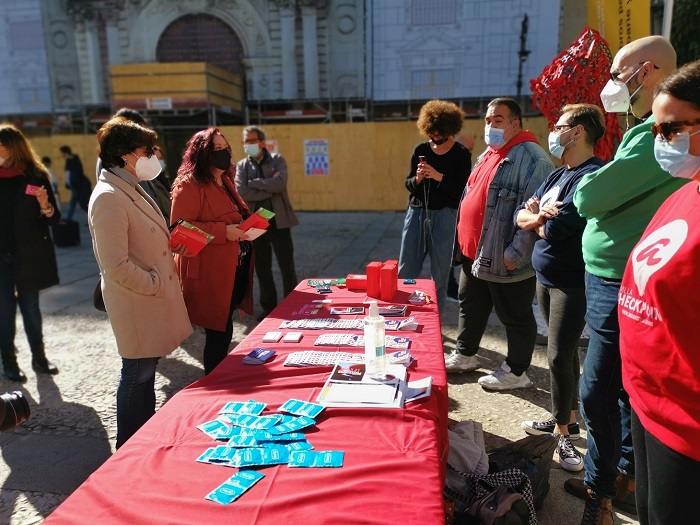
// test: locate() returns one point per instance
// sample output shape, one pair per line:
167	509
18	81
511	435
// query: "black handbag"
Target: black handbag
97	299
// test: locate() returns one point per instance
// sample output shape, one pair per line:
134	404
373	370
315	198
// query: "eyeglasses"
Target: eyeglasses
668	129
563	127
616	74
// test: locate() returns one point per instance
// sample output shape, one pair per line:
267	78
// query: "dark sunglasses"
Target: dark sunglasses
668	129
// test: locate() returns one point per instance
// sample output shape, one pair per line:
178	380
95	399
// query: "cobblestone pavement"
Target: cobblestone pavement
72	428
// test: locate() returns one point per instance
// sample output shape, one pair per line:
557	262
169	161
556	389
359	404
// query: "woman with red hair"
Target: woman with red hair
219	278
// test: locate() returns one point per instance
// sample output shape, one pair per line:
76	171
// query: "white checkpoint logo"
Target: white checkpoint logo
656	250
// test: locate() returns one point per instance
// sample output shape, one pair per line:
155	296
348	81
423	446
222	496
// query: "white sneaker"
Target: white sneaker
456	362
504	379
569	458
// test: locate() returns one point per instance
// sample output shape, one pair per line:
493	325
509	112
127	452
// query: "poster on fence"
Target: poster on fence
316	161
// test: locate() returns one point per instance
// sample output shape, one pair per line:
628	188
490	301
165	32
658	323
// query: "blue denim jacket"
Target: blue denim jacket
517	177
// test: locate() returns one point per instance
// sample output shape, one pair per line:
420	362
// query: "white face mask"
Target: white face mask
494	136
162	164
674	156
616	97
146	168
555	146
252	150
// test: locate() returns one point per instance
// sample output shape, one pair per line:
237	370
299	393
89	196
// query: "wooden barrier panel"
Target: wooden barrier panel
368	161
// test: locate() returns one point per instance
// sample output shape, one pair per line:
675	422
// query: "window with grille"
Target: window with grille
431	13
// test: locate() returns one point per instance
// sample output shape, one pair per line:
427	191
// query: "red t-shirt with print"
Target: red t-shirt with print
658	309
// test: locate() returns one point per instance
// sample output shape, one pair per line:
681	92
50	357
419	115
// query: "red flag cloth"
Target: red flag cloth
577	76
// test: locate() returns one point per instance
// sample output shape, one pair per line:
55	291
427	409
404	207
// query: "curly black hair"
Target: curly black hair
440	117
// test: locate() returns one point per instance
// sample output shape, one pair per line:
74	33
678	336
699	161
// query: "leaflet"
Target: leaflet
359	340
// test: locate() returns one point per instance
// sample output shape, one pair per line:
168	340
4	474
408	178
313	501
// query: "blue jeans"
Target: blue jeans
430	233
605	405
28	302
136	396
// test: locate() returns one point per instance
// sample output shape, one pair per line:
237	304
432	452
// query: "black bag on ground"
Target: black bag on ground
533	456
66	233
503	506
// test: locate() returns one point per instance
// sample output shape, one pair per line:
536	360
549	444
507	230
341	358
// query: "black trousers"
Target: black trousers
513	305
279	240
666	485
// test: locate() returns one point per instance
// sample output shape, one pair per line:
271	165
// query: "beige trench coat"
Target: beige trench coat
139	282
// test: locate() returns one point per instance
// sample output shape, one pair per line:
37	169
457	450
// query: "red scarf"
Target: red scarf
8	173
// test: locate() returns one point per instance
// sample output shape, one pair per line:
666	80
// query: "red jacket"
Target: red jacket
207	279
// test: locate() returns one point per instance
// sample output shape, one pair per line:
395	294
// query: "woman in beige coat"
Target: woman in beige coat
139	282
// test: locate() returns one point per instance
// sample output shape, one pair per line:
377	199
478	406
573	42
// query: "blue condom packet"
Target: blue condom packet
243	407
234	487
222	455
301	408
256	422
298	445
243	440
206	455
248	457
213	428
261	436
307	458
291	426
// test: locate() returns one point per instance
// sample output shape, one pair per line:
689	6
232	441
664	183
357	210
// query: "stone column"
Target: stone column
311	84
94	72
287	45
112	30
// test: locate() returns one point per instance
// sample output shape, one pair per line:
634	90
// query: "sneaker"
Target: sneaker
598	511
456	362
504	379
536	428
569	458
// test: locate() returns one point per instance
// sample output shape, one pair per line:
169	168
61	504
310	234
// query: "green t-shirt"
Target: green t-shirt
618	201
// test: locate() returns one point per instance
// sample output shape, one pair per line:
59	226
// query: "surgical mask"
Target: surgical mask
616	97
439	142
494	136
222	159
674	157
252	150
146	168
555	146
162	164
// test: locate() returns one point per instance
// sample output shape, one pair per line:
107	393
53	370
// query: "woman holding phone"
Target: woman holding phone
27	258
439	171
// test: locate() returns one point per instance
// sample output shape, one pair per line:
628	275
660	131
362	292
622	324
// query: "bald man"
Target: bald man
617	200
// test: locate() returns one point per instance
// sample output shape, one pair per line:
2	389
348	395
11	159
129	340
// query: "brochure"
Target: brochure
359	340
350	386
257	223
419	389
320	358
182	232
258	356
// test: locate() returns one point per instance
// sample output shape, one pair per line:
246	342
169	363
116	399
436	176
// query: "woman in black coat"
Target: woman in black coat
27	258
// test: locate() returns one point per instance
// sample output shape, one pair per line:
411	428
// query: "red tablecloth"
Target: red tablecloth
395	459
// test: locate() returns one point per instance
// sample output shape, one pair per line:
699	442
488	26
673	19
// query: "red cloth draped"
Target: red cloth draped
577	76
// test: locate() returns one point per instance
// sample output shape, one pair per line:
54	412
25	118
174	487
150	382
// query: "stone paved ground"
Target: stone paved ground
72	428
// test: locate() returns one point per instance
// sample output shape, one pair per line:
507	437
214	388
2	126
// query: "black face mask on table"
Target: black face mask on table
222	159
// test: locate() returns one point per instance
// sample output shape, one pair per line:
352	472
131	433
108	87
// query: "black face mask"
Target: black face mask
437	142
222	159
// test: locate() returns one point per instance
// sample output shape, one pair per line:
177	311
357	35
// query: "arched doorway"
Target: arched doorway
195	38
201	38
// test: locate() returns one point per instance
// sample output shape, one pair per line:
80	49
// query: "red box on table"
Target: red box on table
388	280
356	282
373	275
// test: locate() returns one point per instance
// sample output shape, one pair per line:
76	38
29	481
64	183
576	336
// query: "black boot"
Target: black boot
40	363
11	368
